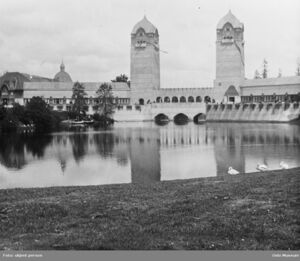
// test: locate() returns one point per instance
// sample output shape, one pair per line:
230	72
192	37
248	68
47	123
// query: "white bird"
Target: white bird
262	167
232	171
283	165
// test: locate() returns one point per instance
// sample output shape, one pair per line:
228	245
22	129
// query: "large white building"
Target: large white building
144	97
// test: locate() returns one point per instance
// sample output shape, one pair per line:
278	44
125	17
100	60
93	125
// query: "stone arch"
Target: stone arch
182	99
141	101
231	93
161	119
167	99
174	99
191	99
181	118
199	118
207	99
198	99
158	100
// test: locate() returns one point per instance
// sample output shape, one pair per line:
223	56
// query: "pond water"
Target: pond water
144	153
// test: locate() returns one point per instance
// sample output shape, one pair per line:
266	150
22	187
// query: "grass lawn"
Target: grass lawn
258	211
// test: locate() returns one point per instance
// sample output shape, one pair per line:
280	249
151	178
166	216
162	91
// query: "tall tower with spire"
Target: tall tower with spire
230	60
144	60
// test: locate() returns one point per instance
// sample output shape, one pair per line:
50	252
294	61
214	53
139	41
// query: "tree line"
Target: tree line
38	115
264	73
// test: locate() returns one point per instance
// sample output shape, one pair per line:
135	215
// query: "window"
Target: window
198	99
182	99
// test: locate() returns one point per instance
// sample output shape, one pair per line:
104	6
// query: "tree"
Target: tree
257	75
78	96
121	78
40	114
106	100
265	69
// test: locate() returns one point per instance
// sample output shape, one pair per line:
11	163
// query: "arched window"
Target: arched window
4	90
158	99
141	101
198	99
182	99
167	99
191	99
174	99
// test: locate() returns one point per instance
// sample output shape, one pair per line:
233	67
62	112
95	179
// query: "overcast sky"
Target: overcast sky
93	36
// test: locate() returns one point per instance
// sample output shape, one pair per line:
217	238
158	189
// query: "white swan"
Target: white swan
283	165
262	167
232	171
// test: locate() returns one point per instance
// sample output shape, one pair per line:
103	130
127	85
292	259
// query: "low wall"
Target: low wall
150	111
270	112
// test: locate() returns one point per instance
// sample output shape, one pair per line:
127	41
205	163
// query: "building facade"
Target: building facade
145	98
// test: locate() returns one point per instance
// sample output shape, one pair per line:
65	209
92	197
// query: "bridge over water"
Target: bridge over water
171	111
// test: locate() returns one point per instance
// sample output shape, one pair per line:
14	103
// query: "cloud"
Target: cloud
93	37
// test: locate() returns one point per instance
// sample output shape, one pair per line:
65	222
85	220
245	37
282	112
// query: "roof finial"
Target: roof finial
62	66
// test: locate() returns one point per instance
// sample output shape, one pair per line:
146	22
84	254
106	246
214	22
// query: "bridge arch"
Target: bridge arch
161	119
167	99
181	118
174	99
182	99
199	118
191	99
158	99
198	99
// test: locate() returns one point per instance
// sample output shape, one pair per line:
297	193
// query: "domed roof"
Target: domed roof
146	25
230	18
62	76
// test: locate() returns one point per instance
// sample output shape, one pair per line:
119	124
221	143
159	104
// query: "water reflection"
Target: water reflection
144	152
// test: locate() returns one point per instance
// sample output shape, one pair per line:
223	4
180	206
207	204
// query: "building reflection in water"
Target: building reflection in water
144	153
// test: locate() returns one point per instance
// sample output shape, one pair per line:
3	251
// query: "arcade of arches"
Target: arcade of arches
180	99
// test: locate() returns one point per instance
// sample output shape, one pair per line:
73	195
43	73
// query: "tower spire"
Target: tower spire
62	66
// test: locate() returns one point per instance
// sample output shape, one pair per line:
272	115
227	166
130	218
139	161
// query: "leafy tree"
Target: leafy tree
9	122
78	96
40	114
257	75
106	100
121	78
20	112
2	112
265	69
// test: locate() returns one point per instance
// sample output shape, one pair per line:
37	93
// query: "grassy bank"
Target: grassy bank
253	211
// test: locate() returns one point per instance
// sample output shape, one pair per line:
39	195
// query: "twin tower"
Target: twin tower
145	62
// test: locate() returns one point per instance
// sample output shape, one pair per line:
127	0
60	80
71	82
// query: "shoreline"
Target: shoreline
256	211
295	169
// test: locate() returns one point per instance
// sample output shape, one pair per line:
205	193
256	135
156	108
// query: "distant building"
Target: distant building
145	97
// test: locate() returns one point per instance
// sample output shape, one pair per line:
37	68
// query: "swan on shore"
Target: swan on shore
262	167
283	165
232	171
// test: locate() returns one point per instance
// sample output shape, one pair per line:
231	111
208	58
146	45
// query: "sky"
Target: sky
92	37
